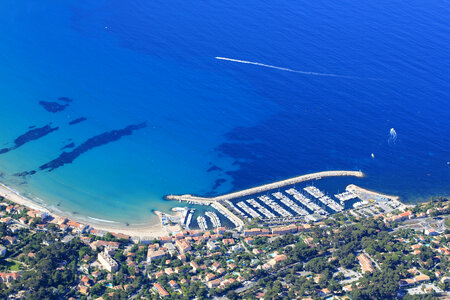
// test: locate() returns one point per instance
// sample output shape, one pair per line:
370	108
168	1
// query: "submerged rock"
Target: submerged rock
76	121
53	107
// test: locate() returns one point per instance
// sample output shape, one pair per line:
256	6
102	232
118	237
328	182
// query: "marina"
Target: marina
189	218
313	191
261	209
248	210
219	209
307	202
345	196
327	201
214	219
291	204
273	207
201	221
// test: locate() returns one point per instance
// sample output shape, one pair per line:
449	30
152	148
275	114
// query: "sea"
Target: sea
108	105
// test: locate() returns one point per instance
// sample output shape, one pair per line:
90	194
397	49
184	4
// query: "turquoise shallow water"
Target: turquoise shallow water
214	126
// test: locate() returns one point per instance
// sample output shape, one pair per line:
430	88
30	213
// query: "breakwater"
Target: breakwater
267	187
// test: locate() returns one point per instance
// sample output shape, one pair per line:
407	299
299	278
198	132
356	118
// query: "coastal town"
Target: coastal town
380	248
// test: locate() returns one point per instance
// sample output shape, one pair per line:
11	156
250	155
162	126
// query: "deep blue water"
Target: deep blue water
153	112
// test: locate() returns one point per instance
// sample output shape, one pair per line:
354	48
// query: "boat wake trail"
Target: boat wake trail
288	69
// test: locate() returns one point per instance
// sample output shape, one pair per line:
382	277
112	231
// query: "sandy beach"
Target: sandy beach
144	231
360	189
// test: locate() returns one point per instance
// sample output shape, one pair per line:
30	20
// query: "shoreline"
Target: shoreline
141	231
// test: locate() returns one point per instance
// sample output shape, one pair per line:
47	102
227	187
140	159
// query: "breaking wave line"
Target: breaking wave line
287	69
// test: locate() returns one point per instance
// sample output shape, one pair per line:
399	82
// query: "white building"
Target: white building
108	262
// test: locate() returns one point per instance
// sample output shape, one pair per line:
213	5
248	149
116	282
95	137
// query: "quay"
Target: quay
256	190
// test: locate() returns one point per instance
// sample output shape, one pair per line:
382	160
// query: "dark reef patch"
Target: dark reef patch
53	107
65	99
31	135
31	127
79	120
218	183
68	146
214	168
23	174
93	142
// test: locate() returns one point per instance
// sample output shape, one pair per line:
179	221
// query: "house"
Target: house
236	248
220	230
228	241
431	232
160	290
415	280
2	250
227	282
168	271
215	266
155	254
8	277
100	244
213	283
170	248
209	277
277	259
212	245
183	246
11	240
194	266
76	226
249	240
173	284
324	292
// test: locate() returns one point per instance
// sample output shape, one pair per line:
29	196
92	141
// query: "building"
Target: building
155	254
8	277
214	283
285	229
366	263
212	245
277	259
108	262
100	244
220	230
173	284
160	290
183	246
2	250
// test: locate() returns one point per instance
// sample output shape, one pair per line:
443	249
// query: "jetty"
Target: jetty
257	190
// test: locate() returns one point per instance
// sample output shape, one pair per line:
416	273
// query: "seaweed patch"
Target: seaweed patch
68	146
214	168
91	143
65	99
53	107
30	135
